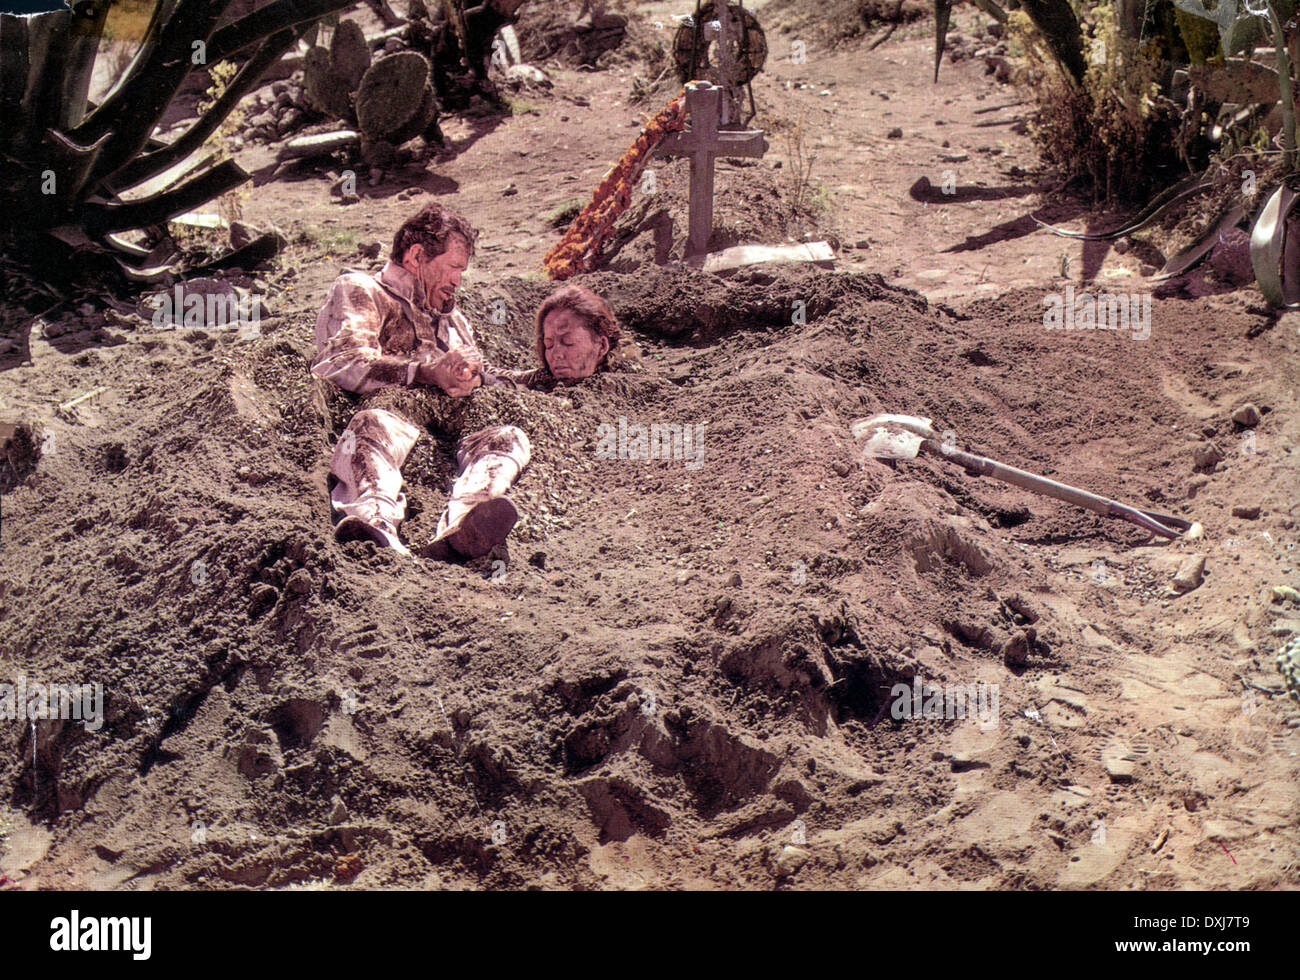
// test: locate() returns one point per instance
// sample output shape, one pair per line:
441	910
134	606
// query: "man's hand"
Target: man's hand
458	372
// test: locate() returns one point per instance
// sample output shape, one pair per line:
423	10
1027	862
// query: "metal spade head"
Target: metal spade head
893	436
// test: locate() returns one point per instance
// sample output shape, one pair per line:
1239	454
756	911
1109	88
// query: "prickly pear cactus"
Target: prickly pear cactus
331	77
1288	664
1239	28
392	96
326	91
349	53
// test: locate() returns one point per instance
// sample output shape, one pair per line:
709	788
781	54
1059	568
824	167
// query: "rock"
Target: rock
1241	637
241	234
1284	593
1230	258
1022	607
684	576
510	190
1207	456
1119	768
318	144
263	598
790	860
300	582
508	45
733	580
963	760
1189	574
538	559
1225	830
338	812
1195	484
1247	415
895	134
526	76
1247	512
1195	532
840	467
1015	652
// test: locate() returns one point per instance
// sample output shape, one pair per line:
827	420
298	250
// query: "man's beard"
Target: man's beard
432	303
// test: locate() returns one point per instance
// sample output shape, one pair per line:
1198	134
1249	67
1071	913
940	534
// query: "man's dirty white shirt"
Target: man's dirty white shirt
372	332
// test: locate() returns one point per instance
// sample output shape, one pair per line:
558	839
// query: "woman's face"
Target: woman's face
573	350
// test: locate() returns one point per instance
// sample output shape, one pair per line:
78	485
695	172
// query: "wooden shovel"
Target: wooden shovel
905	436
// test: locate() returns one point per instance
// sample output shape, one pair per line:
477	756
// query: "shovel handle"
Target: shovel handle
1104	506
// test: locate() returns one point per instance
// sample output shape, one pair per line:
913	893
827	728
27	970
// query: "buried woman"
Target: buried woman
577	335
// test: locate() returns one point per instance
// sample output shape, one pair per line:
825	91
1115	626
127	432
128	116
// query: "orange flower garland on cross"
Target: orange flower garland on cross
613	196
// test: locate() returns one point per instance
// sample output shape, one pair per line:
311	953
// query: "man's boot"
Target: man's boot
367	472
479	516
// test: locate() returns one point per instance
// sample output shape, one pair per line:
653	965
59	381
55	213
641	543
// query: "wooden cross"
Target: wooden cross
704	143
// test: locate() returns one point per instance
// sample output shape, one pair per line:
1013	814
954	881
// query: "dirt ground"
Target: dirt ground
680	673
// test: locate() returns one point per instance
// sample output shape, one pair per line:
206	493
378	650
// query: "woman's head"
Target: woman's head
576	331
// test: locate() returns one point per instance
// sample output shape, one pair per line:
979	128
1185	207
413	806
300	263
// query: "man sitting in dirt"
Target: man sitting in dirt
399	342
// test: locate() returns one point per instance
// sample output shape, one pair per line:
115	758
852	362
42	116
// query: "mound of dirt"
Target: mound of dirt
582	34
752	205
701	652
839	19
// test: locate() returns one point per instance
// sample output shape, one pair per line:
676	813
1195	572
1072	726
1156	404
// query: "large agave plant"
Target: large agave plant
75	175
1241	29
1243	26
